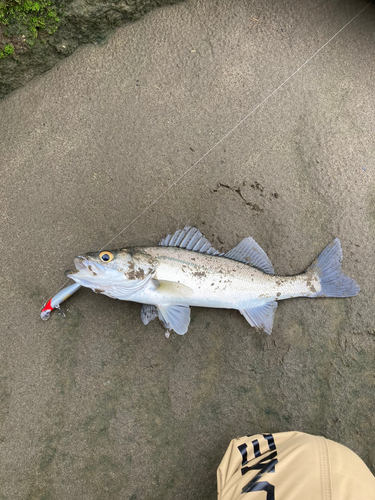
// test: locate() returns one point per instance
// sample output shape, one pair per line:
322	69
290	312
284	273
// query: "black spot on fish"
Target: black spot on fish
200	274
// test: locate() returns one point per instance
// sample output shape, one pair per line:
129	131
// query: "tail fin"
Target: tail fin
333	281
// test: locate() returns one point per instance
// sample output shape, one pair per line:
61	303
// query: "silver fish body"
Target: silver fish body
187	271
213	281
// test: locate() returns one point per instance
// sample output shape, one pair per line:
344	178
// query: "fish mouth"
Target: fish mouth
80	263
83	268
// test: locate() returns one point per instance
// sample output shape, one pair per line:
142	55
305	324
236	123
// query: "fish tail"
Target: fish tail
333	282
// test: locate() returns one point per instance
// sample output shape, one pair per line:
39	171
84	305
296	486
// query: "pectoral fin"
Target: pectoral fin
261	316
175	317
173	288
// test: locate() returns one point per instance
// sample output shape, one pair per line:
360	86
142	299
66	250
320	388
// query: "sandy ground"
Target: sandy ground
98	406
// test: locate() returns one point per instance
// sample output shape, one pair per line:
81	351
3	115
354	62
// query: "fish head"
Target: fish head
115	273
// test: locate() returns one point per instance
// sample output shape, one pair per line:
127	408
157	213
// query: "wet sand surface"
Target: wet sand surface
98	406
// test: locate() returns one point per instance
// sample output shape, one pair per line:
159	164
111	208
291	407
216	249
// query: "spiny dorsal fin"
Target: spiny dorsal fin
189	238
249	252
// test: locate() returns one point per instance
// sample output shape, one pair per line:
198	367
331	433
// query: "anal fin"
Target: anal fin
261	316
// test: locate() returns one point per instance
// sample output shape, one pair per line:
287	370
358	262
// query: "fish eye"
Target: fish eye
106	256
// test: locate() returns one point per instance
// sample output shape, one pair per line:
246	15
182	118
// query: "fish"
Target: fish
185	271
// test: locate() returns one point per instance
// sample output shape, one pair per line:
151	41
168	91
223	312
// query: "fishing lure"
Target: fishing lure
57	299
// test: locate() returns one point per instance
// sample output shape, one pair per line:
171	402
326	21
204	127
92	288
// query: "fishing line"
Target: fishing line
225	136
232	130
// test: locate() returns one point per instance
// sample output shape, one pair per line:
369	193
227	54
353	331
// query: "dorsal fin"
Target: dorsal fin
249	252
189	238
